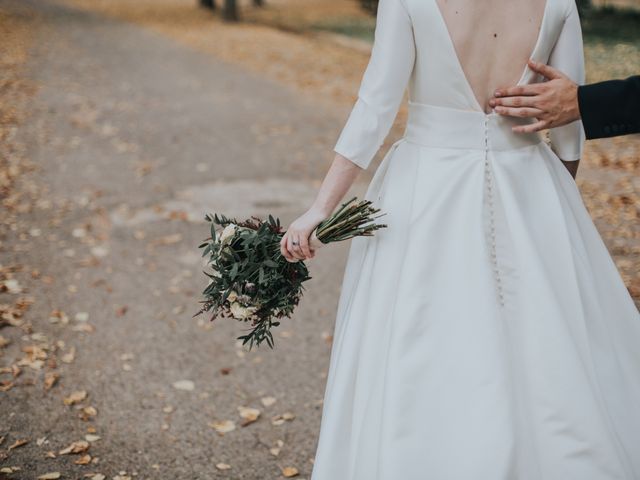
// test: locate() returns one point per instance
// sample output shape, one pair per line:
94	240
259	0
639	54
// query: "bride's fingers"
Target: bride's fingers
292	248
283	246
299	249
304	245
284	249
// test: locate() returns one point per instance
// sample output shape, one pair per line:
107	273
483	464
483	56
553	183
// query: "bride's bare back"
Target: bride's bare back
493	40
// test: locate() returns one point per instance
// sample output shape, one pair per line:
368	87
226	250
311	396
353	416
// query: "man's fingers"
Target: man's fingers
520	90
534	127
514	102
519	112
545	70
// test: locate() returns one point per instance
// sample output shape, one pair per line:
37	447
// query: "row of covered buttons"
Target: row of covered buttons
492	226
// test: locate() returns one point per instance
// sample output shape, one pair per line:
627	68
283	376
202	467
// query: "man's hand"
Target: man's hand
553	103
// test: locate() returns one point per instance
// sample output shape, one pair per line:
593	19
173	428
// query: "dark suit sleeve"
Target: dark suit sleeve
610	108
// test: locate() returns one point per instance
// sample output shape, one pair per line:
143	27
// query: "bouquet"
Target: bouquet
252	282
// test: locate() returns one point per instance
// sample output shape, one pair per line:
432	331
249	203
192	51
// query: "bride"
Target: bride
486	333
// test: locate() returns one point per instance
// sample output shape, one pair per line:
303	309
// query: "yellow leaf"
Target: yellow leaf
50	379
290	472
249	415
223	426
76	447
75	397
49	476
83	460
18	443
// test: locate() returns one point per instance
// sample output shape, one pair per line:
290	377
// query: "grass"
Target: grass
611	25
356	27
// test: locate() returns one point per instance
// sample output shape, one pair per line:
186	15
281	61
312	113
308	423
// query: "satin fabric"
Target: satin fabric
485	334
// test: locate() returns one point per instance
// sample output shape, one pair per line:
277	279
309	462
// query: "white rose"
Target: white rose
233	296
241	313
228	232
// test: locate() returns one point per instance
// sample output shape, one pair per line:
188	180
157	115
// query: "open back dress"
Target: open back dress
486	333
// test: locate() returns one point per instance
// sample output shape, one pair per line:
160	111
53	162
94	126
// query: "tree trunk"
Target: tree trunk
230	11
209	4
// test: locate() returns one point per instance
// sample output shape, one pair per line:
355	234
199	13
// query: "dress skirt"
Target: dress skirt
486	333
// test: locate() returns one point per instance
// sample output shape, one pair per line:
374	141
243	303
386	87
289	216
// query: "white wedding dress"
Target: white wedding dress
486	333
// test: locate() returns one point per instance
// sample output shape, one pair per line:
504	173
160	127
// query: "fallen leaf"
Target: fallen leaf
87	413
5	386
280	419
11	285
58	316
83	460
268	401
83	327
70	356
223	466
120	311
186	385
167	239
50	476
50	379
249	415
290	472
76	447
223	426
91	438
275	451
75	397
4	341
18	443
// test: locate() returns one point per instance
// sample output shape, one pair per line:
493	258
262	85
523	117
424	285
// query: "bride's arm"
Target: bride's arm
568	56
379	97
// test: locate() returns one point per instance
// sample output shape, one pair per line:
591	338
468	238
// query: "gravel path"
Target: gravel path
135	138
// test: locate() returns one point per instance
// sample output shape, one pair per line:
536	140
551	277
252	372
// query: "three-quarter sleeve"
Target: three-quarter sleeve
568	57
382	86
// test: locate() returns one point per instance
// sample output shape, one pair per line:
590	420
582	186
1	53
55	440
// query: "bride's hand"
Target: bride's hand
299	231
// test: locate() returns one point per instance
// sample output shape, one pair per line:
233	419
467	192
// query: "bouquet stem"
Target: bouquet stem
350	220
